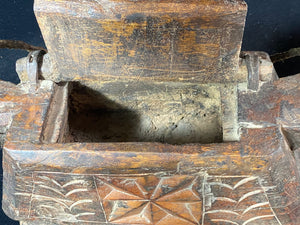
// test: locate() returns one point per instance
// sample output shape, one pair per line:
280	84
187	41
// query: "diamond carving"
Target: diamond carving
151	200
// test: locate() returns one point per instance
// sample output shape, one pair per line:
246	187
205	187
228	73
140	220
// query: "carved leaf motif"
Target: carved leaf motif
236	200
149	199
70	198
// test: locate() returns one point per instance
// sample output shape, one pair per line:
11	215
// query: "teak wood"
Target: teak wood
145	112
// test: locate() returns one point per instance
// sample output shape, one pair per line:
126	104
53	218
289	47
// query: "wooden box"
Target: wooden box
144	113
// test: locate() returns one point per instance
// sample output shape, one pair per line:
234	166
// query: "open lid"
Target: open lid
164	40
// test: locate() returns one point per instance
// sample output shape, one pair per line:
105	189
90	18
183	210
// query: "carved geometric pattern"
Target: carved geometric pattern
151	199
148	199
239	200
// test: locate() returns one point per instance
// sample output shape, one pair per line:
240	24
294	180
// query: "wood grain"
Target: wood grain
189	41
163	51
258	171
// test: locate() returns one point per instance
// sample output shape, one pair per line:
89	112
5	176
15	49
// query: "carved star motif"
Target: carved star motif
151	199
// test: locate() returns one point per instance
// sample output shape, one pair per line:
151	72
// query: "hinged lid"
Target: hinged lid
164	40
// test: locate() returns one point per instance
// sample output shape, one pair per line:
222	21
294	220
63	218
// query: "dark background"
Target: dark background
272	26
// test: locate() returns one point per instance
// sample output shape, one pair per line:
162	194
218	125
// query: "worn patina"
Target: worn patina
145	112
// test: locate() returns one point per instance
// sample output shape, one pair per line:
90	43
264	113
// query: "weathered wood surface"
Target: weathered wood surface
19	107
191	41
49	179
65	190
254	181
173	113
6	109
